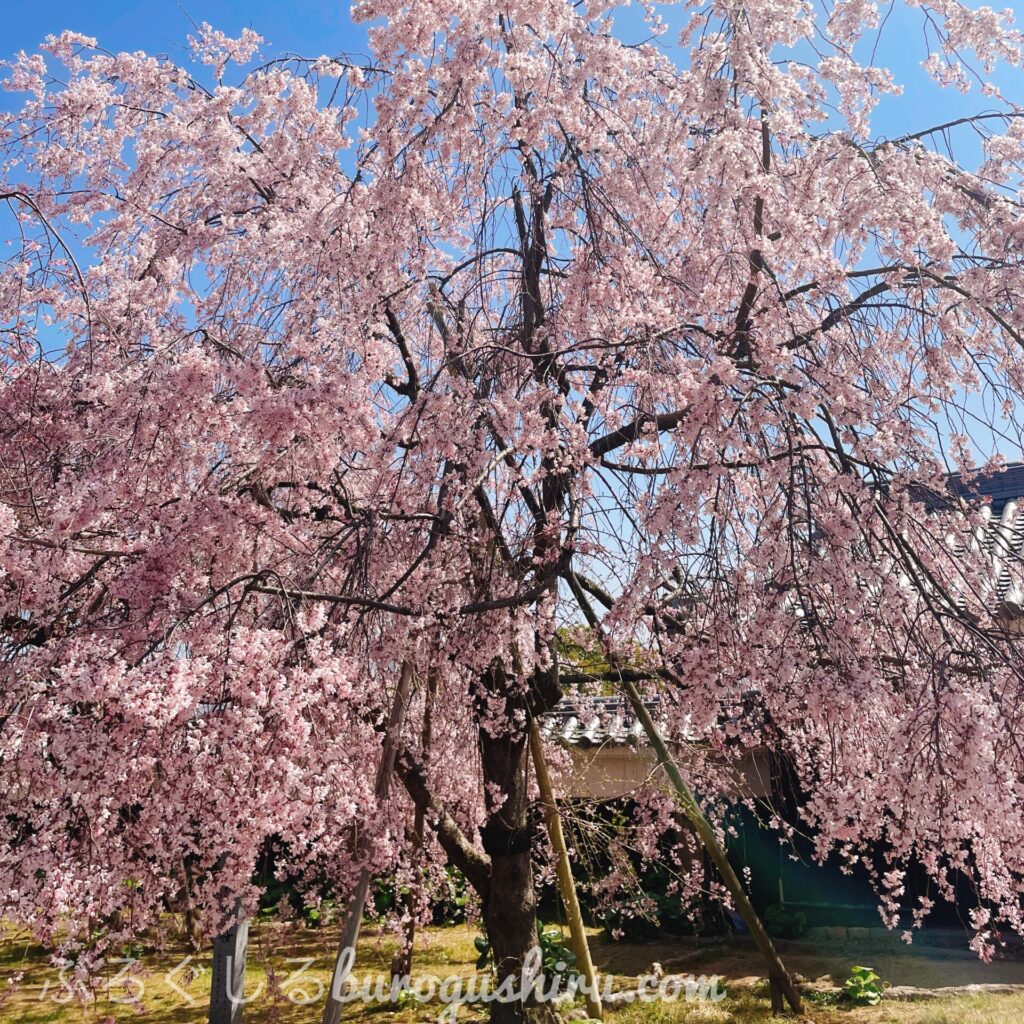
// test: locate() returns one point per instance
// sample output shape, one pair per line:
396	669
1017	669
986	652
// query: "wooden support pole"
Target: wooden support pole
354	911
401	963
228	981
779	980
566	885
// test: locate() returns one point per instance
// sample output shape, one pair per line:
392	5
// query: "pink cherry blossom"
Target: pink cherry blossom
313	369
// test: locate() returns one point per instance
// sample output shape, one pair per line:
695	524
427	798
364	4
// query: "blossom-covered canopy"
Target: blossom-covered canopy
315	368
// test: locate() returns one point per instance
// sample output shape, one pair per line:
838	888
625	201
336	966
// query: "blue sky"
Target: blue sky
161	26
323	26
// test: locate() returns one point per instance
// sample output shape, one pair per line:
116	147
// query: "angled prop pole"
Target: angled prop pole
779	979
566	885
354	911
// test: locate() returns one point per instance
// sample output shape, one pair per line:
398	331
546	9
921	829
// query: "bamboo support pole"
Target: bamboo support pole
779	980
778	977
566	885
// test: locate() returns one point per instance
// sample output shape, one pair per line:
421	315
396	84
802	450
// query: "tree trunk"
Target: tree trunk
511	923
502	875
510	906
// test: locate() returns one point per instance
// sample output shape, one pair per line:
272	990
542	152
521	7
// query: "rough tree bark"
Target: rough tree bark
510	907
501	874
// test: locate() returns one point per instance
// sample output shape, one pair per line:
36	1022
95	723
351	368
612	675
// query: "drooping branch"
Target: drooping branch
473	863
629	432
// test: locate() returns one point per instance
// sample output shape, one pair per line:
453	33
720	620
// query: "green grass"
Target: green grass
443	952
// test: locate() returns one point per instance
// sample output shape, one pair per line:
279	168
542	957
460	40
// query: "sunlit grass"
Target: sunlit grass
277	951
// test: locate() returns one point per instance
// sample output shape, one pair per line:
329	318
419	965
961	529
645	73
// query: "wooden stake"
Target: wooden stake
354	911
228	981
566	885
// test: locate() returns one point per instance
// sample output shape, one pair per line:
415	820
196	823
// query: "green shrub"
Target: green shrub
557	959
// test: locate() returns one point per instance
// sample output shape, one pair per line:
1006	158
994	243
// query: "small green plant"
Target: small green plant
557	959
554	953
318	916
864	987
132	951
822	997
405	998
451	898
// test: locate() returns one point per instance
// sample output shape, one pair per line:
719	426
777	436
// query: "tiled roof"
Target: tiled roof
594	722
1002	538
598	721
995	489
